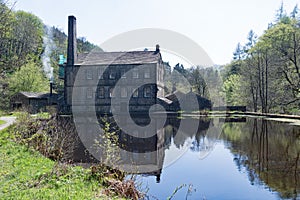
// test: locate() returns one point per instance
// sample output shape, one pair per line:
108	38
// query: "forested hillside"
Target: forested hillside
29	53
265	72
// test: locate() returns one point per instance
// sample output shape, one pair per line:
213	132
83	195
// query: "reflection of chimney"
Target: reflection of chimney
72	43
157	178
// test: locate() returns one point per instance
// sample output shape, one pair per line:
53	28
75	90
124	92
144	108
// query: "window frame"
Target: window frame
89	93
123	73
147	73
135	73
147	94
111	92
99	92
89	74
135	93
112	75
123	91
100	73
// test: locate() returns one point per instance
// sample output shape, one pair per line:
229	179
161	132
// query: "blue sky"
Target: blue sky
216	25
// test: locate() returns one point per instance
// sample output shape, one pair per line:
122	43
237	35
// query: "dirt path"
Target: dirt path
8	120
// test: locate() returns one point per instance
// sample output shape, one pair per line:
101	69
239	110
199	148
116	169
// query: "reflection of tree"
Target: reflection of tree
180	137
269	152
198	142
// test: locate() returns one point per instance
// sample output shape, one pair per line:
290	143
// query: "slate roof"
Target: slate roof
165	100
130	57
37	95
174	96
32	94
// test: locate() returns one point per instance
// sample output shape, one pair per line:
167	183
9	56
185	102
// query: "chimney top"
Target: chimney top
72	17
157	48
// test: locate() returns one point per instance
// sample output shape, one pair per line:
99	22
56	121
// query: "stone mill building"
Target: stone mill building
95	75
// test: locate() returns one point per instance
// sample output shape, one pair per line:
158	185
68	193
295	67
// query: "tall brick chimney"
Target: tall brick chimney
72	41
71	60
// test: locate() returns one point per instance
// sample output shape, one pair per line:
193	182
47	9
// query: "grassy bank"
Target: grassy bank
26	174
2	122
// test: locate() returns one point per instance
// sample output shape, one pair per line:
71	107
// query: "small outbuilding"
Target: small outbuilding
33	102
188	101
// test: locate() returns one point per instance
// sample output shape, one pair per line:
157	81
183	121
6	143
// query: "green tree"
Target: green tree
83	45
269	69
248	71
239	52
197	81
29	78
6	19
27	38
284	39
232	90
180	68
21	40
179	78
295	12
280	13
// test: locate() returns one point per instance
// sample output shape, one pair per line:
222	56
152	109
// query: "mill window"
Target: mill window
111	92
135	73
147	91
100	73
147	73
112	74
89	74
123	73
89	93
135	93
123	92
101	92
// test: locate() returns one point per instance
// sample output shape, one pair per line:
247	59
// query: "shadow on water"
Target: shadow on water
266	151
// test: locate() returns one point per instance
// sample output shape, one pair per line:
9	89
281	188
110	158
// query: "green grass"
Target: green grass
26	174
10	114
42	115
2	122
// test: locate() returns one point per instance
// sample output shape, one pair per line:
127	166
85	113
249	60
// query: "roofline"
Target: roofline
82	64
117	52
37	97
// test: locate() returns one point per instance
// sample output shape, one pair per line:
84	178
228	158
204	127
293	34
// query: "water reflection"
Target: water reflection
266	151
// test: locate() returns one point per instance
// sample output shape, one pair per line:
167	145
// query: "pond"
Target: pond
193	157
227	158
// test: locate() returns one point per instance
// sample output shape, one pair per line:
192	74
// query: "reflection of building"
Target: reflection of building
143	155
140	155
